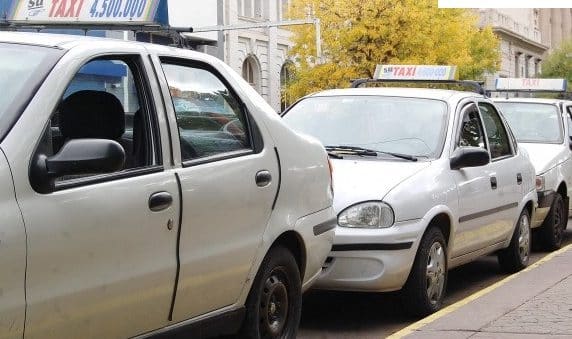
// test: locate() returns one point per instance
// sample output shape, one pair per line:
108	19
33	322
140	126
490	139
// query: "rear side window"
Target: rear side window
210	117
497	135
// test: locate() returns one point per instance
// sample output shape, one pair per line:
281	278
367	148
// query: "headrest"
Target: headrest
91	114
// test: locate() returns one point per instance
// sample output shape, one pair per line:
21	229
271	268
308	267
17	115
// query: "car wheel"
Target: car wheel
551	232
515	257
274	305
425	288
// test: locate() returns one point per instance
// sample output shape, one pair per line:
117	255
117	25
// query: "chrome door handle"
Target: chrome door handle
263	178
160	201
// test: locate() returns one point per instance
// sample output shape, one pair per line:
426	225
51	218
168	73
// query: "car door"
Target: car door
477	202
507	169
229	178
101	260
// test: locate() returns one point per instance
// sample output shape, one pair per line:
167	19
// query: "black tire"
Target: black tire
516	256
551	232
416	290
274	304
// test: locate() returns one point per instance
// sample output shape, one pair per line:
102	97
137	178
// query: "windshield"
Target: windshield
410	126
533	122
22	69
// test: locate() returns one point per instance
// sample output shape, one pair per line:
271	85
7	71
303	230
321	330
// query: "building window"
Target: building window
251	72
282	9
517	72
286	75
256	9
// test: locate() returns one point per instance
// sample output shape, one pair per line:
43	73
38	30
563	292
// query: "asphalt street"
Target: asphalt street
368	315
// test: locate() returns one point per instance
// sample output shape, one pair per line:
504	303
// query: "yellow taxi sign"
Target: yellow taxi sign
415	72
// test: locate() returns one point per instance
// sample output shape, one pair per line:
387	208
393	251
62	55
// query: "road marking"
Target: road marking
451	308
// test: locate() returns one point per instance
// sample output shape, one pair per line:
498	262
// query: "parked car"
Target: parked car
542	127
425	180
115	232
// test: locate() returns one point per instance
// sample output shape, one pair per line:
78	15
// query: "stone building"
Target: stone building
527	35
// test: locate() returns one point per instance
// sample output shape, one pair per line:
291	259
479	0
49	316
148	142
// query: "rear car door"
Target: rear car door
229	177
506	169
477	201
101	259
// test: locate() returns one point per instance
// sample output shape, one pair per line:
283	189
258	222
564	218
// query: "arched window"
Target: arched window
286	74
251	72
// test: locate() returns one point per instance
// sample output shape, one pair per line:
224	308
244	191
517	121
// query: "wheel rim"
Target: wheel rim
558	228
436	270
274	304
524	238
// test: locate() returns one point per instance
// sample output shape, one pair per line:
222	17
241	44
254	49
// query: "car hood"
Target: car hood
357	180
546	156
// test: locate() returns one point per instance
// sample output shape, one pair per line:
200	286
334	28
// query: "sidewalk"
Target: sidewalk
535	303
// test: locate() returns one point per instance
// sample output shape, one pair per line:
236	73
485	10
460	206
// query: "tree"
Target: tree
559	63
359	34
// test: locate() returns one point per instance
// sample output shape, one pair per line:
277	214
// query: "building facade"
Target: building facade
527	36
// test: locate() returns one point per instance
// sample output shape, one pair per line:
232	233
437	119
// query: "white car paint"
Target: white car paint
97	263
418	192
552	161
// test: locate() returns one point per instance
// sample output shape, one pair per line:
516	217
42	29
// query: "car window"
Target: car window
104	101
210	118
533	122
497	135
414	126
471	133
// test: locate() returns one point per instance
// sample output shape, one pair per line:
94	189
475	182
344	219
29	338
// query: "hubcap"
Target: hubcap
558	227
273	305
524	239
435	272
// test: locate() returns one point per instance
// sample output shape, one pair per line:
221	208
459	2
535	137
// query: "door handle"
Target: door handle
519	178
494	183
160	201
263	178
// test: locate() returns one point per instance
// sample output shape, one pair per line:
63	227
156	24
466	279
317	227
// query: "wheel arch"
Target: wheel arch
562	190
292	241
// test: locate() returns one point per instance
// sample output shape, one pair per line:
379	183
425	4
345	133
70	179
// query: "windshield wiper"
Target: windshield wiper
368	152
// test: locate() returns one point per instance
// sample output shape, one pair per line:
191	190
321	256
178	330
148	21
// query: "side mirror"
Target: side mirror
469	157
76	157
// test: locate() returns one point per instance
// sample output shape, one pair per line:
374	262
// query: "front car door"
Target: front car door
476	193
229	177
100	263
507	170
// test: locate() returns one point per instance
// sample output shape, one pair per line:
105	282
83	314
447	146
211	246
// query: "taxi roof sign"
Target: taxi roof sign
90	12
415	72
530	85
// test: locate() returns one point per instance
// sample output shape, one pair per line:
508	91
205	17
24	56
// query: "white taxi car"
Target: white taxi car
124	213
542	127
424	180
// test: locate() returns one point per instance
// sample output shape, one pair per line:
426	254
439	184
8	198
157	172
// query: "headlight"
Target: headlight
371	214
539	183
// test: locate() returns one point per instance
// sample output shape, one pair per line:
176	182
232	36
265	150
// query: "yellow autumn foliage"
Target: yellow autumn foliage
359	34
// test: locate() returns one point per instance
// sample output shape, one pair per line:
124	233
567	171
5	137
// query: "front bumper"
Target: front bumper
545	199
371	260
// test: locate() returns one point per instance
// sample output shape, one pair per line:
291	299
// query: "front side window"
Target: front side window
22	69
471	133
104	100
533	122
497	135
411	126
210	118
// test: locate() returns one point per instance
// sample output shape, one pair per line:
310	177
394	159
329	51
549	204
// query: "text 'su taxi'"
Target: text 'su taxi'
424	180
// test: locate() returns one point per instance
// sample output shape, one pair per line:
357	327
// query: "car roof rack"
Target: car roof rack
475	86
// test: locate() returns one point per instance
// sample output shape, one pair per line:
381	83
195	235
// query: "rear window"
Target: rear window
22	70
